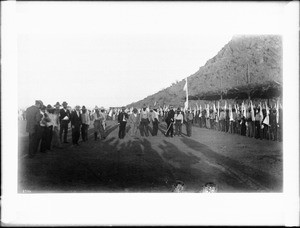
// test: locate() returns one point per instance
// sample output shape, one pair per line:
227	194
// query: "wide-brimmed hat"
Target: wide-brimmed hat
49	106
77	106
57	104
64	103
39	102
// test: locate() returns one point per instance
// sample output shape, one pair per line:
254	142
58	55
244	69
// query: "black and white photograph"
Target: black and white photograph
156	112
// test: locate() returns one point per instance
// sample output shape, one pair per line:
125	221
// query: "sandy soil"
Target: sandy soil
153	164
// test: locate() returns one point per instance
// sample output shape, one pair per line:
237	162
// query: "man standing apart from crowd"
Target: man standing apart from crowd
178	122
76	123
33	117
145	120
122	119
134	121
189	121
169	121
64	120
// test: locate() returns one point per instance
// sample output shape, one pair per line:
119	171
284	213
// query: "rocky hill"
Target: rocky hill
244	60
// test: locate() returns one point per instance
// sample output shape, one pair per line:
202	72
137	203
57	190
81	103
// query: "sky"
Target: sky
115	53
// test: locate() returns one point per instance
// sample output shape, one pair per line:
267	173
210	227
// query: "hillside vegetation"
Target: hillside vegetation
244	60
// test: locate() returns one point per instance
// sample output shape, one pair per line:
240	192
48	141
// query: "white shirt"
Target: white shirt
178	117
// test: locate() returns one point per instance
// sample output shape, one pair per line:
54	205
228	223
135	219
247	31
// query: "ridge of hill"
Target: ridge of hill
244	60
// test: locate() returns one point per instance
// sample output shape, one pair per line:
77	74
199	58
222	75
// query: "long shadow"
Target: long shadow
110	129
264	179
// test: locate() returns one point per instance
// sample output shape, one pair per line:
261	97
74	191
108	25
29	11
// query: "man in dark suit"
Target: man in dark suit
33	118
76	123
169	121
122	119
64	119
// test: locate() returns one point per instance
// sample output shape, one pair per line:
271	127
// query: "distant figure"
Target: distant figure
169	120
102	123
97	122
155	121
50	124
55	119
134	121
178	117
122	119
145	120
64	120
85	120
45	130
76	124
33	117
189	122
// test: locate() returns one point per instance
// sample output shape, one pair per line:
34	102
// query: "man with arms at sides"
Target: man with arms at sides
85	119
64	120
122	119
145	120
76	123
134	121
33	118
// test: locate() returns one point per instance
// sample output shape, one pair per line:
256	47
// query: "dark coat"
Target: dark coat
63	113
170	116
33	118
120	116
75	119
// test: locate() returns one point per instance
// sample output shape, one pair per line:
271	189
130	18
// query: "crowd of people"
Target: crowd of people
48	126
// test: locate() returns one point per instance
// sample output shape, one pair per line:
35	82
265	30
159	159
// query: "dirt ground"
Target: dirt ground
153	164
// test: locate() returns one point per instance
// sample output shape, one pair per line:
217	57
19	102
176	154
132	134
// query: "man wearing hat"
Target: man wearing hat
178	117
55	136
64	120
122	119
85	120
154	119
33	117
102	122
169	120
134	121
145	120
76	124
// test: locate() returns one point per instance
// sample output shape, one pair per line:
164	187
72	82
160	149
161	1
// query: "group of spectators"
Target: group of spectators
48	126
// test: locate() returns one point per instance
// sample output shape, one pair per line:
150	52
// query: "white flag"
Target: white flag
186	103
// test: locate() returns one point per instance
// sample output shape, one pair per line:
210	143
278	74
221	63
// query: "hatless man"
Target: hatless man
33	118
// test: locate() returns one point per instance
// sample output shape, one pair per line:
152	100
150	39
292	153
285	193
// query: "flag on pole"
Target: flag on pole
110	113
277	112
185	88
207	111
252	112
154	103
260	112
230	113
